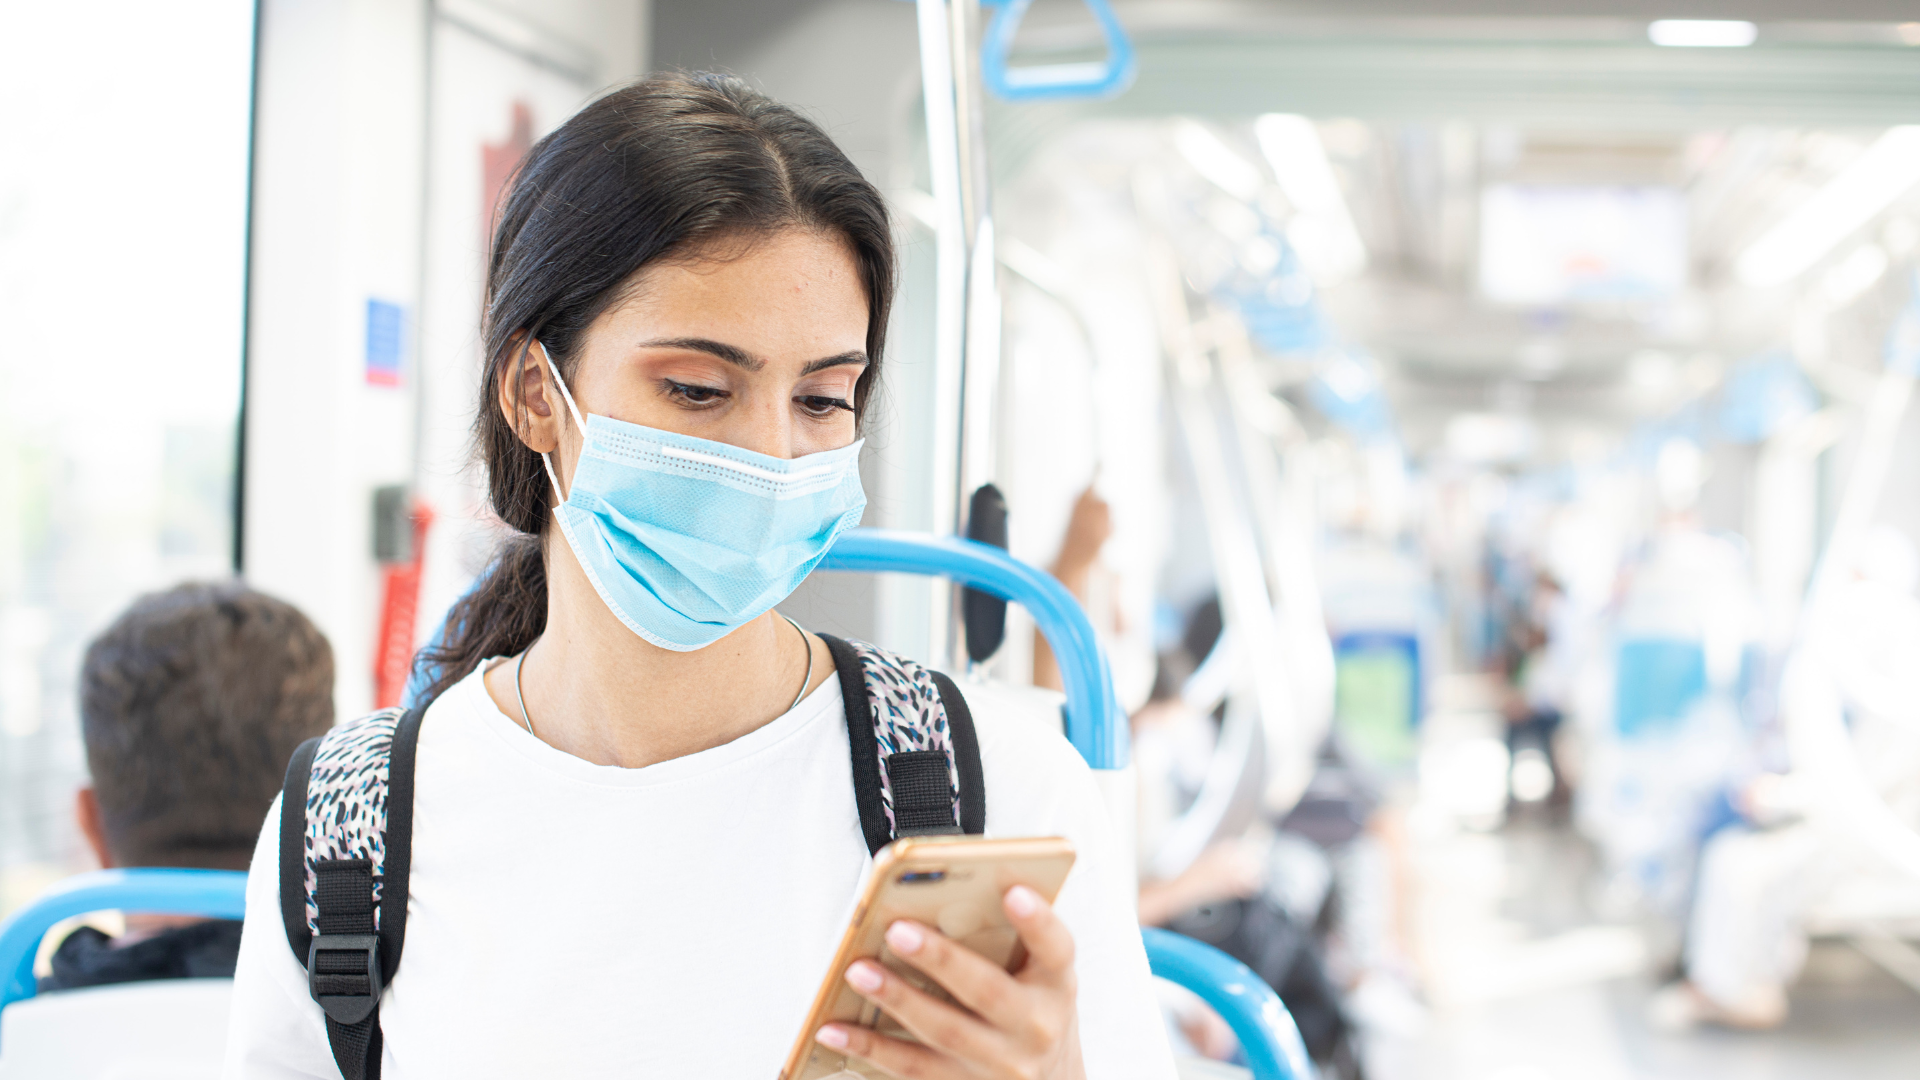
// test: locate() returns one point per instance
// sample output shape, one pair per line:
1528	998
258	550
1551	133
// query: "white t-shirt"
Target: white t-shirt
580	920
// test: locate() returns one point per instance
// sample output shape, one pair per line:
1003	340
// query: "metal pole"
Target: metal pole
967	306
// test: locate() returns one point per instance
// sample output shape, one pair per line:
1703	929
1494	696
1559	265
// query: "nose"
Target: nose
765	427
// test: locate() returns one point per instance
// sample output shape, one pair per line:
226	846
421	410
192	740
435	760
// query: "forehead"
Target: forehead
793	288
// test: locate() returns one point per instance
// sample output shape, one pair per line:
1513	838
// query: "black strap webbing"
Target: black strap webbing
864	751
293	848
343	965
922	799
864	748
966	756
396	875
348	964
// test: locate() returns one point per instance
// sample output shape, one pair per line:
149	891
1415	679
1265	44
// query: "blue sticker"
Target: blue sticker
386	324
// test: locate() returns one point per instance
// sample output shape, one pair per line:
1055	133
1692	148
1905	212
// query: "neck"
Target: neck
598	691
141	927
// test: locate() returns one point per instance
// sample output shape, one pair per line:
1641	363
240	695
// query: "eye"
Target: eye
821	407
694	395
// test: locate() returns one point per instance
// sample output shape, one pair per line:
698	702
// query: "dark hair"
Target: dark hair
190	704
667	167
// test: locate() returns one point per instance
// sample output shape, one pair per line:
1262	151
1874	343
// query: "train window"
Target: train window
123	223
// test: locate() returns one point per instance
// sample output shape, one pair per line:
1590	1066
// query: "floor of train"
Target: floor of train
1526	982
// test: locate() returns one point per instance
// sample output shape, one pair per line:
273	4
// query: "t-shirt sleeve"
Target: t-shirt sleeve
275	1030
1037	785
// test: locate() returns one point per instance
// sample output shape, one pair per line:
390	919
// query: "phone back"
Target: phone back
953	884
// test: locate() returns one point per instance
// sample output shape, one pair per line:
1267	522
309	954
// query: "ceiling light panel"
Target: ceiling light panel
1702	33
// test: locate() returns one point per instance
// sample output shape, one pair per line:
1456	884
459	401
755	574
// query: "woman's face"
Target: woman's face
759	348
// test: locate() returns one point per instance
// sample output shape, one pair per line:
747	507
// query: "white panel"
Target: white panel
492	98
336	223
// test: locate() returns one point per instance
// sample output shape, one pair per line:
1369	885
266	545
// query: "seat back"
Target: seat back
170	1028
167	1029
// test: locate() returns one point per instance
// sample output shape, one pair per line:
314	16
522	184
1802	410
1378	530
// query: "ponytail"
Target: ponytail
501	615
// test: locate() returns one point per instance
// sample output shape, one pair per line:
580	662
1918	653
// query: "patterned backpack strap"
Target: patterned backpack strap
346	832
916	761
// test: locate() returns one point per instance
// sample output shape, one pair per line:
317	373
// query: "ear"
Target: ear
528	398
86	807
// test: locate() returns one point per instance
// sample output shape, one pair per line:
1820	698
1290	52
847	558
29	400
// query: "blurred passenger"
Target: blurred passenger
190	705
1259	895
1540	681
1088	529
1825	827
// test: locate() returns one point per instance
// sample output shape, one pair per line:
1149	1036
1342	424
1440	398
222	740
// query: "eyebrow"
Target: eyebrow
732	354
741	358
825	362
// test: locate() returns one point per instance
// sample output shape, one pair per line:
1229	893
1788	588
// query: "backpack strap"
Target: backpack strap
915	756
346	845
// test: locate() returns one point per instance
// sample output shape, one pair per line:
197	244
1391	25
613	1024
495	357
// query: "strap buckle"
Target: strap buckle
343	975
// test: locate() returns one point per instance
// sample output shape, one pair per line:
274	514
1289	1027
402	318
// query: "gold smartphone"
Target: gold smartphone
952	883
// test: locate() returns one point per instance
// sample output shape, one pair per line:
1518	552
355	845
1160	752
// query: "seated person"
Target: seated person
190	705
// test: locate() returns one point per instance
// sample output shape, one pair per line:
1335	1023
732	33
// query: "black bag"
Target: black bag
1259	934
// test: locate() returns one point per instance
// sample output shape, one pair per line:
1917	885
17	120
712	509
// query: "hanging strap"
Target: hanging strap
914	783
353	955
343	965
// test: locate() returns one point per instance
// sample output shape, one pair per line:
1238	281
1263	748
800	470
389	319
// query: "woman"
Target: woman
635	841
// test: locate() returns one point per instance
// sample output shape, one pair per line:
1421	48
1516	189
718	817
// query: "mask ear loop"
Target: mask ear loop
552	477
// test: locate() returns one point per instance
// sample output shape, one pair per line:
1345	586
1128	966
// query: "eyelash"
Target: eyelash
821	407
818	406
687	392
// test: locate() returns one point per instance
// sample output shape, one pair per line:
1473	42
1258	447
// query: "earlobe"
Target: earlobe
526	399
86	809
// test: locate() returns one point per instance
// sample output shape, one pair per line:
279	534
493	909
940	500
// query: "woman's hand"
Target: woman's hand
1023	1026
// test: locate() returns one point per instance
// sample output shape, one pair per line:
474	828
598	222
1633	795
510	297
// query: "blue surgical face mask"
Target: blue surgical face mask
687	540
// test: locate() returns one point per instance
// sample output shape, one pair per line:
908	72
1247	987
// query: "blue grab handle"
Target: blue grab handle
1248	1005
1054	82
1094	724
215	894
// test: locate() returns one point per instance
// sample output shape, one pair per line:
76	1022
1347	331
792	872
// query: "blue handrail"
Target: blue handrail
1249	1006
1095	727
1054	82
215	894
1094	724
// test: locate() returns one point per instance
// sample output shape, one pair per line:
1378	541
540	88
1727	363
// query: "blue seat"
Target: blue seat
214	894
1265	1029
1249	1006
161	1026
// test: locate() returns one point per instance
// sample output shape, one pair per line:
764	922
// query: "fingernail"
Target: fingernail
865	977
905	938
1022	901
831	1036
